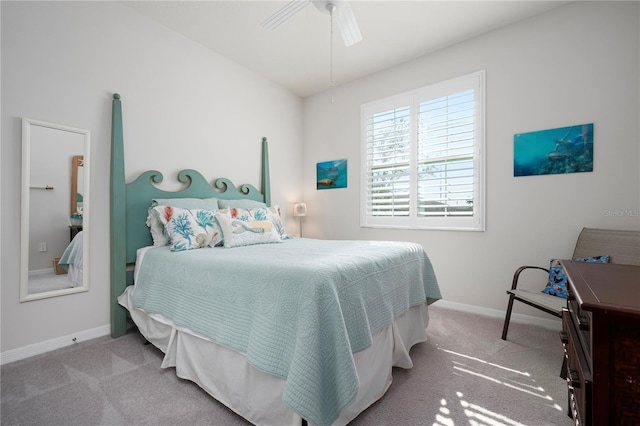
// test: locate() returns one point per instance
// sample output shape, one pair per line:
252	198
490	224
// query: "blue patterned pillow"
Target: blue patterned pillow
557	284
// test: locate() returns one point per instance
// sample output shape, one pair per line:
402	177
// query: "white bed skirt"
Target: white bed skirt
257	396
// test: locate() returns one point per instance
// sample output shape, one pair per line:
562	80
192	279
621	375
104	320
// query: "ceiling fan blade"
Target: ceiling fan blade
286	12
347	24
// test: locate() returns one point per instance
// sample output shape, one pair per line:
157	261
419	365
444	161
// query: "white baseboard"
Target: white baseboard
60	342
550	323
50	345
41	271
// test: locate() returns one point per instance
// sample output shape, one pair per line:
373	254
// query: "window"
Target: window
423	158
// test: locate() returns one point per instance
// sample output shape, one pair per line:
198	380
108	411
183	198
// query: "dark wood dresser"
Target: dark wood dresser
601	337
73	230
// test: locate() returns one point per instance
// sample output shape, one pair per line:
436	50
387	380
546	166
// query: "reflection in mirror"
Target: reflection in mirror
54	240
77	176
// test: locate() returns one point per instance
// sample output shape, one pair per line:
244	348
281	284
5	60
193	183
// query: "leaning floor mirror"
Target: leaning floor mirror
54	252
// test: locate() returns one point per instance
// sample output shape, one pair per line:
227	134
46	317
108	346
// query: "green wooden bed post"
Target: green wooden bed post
118	208
129	203
266	184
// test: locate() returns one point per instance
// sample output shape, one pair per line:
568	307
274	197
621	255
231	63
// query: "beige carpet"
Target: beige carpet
463	375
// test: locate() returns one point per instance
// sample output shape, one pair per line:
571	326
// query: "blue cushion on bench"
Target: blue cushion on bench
557	284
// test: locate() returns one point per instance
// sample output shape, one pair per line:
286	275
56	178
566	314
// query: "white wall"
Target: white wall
576	64
183	107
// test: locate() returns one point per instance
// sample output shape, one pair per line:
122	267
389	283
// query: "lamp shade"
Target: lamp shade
300	209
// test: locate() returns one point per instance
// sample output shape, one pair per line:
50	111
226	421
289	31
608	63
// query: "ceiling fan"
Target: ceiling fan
338	9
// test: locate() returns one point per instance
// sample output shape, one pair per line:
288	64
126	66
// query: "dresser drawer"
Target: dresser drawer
578	373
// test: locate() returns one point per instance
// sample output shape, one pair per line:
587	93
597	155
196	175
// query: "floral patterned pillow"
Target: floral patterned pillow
557	284
189	229
243	227
158	234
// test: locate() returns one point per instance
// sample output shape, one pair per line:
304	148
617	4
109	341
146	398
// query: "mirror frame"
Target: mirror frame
27	124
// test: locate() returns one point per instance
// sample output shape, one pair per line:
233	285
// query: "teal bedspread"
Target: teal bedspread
72	255
298	310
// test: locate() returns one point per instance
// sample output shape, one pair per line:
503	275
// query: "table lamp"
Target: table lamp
299	210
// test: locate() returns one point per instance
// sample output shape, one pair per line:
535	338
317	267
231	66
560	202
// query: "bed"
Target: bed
287	332
71	260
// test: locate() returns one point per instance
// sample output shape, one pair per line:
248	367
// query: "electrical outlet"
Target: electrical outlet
42	247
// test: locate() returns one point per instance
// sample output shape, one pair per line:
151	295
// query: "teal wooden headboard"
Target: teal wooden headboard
130	202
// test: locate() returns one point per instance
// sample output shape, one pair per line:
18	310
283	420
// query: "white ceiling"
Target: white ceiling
296	54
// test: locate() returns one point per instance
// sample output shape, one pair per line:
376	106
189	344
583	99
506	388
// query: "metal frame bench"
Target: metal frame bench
623	247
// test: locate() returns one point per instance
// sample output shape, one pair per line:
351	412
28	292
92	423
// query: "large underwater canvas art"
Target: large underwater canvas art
331	174
554	151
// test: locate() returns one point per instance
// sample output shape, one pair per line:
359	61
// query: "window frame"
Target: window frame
412	99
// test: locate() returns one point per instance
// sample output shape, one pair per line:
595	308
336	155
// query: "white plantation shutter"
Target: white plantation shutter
445	155
388	156
423	157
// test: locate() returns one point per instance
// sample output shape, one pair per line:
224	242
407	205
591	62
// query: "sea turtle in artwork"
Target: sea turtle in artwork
326	182
566	147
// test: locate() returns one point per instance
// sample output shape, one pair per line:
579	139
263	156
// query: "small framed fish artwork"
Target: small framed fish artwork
331	174
554	151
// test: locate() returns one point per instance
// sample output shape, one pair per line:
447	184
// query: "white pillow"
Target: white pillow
244	227
187	203
157	229
240	204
